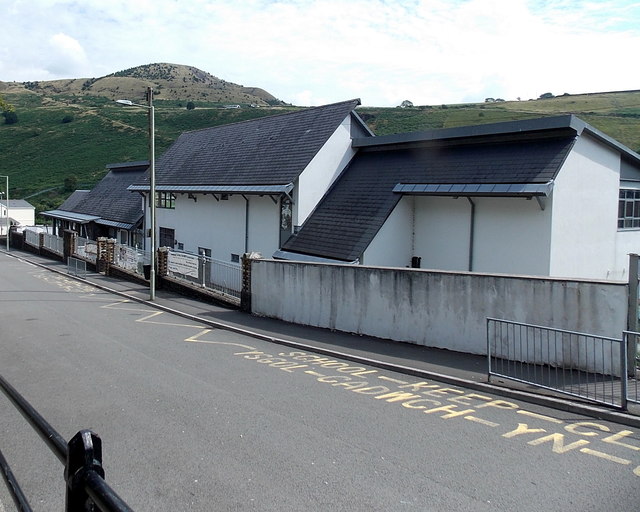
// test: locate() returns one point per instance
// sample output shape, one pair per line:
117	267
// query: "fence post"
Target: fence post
632	313
632	316
84	455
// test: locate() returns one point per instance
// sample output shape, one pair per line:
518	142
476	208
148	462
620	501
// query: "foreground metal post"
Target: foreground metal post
84	456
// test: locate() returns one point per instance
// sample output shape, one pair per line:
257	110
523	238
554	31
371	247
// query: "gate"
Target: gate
581	365
632	342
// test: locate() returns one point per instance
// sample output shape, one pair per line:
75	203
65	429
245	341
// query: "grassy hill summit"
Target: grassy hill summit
169	81
63	133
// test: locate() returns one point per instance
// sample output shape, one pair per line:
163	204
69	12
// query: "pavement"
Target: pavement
455	368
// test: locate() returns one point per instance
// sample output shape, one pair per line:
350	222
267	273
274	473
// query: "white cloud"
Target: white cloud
320	51
66	57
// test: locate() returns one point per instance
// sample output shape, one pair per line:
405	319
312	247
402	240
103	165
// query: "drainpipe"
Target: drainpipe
246	225
472	228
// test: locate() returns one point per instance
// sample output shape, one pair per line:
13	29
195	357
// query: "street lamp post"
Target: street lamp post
152	185
7	209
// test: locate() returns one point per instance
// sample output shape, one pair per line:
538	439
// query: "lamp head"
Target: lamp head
125	102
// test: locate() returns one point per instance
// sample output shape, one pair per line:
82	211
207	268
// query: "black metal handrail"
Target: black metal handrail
82	459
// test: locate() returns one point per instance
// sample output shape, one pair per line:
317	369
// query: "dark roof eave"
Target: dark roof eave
219	189
558	123
308	258
468	132
475	189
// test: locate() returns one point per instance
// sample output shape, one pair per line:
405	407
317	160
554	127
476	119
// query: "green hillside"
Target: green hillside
70	134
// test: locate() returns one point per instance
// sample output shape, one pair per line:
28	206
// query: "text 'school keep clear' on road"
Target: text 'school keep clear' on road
587	437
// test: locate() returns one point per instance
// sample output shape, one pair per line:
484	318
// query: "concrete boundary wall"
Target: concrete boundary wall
437	309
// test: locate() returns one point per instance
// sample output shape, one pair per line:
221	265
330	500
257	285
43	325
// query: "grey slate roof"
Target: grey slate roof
73	200
272	150
353	210
17	203
109	200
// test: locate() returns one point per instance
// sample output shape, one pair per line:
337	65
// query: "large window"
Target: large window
629	209
165	200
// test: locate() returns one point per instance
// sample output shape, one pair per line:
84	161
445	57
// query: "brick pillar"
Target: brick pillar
102	263
69	243
162	261
245	294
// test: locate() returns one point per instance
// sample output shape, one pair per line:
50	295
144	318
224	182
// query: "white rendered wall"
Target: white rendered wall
24	216
442	232
627	242
439	309
264	226
512	235
585	213
220	225
323	169
392	246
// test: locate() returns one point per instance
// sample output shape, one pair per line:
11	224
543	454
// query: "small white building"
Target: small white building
244	187
19	212
545	197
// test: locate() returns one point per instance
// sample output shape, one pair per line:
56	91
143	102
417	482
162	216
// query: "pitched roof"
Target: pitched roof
349	216
272	150
17	203
109	202
73	200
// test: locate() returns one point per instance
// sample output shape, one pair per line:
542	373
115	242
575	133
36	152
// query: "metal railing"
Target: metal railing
32	237
130	258
572	363
86	249
82	459
53	243
632	343
220	276
76	267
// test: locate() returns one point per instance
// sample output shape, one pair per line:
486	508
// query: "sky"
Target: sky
315	52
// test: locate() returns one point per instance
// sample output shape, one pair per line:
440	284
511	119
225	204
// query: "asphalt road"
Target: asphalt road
199	419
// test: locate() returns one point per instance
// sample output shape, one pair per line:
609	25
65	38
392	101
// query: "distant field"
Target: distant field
65	136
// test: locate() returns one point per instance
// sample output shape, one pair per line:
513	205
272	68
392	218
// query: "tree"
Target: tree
8	112
10	117
406	103
546	96
70	183
191	105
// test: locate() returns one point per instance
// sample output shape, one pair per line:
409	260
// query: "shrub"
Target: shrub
10	117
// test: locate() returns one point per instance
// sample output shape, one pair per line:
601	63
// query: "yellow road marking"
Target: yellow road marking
384	377
605	456
481	421
195	339
539	416
146	320
114	305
